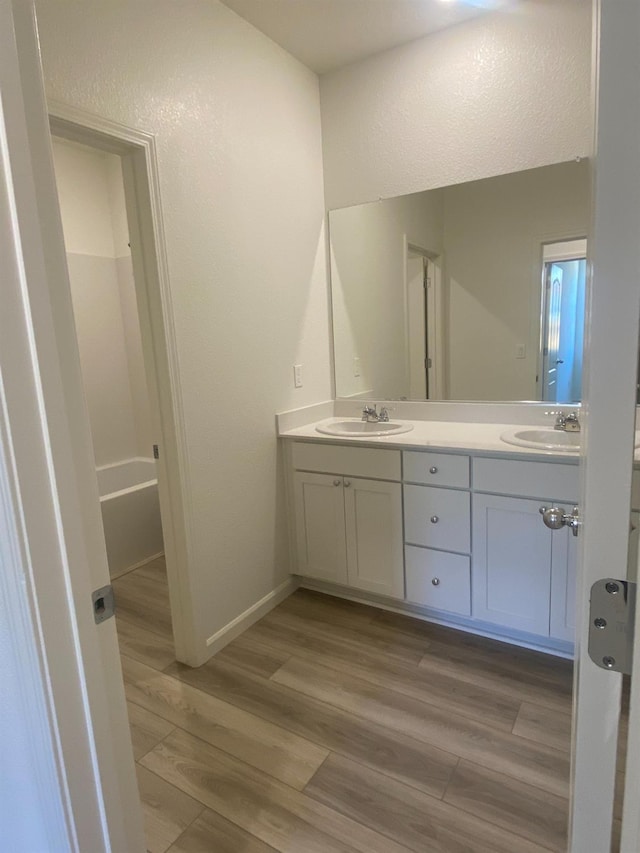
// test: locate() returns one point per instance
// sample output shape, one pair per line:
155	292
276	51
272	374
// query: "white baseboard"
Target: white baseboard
245	620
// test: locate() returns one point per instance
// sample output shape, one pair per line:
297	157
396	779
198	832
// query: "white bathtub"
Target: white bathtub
130	513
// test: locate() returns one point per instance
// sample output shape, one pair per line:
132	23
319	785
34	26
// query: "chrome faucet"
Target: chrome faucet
370	414
566	423
384	415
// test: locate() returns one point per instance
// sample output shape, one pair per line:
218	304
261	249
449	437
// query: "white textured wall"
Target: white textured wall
493	236
368	288
237	122
498	94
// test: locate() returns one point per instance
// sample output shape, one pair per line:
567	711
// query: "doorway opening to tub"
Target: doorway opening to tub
119	376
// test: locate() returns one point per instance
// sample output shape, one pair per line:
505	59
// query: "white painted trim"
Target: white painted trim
53	468
435	316
19	614
630	840
564	250
251	615
610	376
137	149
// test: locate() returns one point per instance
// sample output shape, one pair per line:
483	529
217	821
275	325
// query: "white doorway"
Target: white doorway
155	411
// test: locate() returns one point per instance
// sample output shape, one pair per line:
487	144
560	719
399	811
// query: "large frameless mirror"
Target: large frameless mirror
469	292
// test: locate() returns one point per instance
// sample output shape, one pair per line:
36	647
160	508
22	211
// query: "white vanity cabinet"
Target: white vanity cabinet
517	563
523	572
459	536
349	528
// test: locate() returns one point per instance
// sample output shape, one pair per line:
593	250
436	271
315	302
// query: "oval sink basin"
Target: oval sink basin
544	439
357	428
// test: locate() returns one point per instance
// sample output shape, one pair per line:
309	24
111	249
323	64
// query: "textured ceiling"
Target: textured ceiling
327	34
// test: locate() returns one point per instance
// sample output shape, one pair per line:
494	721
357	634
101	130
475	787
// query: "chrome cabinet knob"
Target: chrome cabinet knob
434	519
555	518
337	482
433	470
436	581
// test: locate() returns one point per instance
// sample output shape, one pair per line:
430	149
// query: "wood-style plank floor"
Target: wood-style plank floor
332	726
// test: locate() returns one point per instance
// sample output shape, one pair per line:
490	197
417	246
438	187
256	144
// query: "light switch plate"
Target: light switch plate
356	366
521	351
297	375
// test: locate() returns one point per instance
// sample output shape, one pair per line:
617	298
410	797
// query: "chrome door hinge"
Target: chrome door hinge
611	622
104	604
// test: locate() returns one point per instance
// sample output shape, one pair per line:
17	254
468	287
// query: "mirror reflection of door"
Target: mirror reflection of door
563	304
421	322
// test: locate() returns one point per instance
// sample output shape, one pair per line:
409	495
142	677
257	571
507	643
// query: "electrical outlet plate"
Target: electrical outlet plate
297	375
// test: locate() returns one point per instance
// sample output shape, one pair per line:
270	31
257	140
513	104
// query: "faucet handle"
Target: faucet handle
369	412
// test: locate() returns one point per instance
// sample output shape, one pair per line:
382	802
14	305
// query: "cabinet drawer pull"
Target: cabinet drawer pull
433	470
347	483
436	581
434	519
337	482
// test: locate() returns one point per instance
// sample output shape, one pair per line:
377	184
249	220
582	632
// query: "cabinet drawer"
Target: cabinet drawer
436	469
438	580
544	480
342	459
437	518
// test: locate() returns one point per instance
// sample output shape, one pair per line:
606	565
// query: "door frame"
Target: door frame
433	319
548	258
137	150
609	407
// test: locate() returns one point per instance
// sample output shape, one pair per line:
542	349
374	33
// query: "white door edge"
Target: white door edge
609	407
53	462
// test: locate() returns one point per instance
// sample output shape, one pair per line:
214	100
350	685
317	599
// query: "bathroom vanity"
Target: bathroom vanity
421	523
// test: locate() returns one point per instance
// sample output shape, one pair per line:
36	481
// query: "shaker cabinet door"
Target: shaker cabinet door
512	551
373	513
320	529
563	586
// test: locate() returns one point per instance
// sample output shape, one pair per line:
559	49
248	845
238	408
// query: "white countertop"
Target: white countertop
437	435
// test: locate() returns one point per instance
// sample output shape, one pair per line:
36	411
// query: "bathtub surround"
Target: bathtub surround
104	301
130	510
237	123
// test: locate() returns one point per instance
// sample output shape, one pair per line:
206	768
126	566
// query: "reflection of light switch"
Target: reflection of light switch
356	366
521	351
